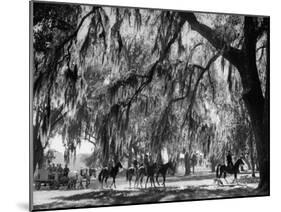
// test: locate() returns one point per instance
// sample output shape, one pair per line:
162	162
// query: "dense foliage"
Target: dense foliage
134	81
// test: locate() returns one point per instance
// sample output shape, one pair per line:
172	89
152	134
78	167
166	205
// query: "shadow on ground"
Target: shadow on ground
150	195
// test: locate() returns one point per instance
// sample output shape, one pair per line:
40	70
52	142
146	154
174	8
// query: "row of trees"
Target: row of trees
132	81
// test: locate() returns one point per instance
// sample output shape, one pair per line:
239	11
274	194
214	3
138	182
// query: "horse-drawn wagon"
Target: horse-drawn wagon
52	179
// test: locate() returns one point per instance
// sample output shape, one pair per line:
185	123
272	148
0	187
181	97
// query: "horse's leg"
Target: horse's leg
224	176
136	180
220	169
164	180
81	184
114	182
105	180
235	178
89	180
141	180
157	175
146	181
150	178
130	181
87	183
153	181
102	182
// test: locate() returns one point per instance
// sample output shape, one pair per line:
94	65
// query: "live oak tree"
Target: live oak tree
118	77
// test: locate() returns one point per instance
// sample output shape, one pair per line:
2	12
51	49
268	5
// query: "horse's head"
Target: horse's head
240	162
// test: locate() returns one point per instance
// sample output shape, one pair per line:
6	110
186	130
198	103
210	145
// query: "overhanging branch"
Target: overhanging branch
233	55
203	71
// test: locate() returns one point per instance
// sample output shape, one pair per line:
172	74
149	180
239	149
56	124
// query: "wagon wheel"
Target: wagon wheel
38	186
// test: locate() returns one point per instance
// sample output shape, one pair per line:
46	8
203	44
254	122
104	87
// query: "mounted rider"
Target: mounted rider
229	160
110	164
65	171
146	161
135	164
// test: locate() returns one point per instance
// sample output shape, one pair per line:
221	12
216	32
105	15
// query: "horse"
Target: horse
131	171
85	175
105	173
163	171
72	180
140	173
150	171
223	169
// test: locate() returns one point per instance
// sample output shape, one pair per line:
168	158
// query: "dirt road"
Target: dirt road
199	186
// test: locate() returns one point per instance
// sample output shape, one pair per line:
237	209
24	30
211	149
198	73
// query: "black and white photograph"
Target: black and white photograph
132	105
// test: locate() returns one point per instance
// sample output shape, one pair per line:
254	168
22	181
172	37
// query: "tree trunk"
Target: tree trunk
262	146
38	151
187	164
130	159
256	104
135	152
252	153
245	62
213	162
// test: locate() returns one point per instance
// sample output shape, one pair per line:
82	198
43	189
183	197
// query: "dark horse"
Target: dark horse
223	169
150	171
140	173
163	170
105	173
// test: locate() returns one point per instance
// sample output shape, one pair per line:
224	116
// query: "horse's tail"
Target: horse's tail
100	174
217	171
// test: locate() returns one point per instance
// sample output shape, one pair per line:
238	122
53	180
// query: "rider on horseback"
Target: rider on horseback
229	160
135	163
110	164
65	171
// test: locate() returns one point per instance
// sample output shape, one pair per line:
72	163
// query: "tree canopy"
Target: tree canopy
134	80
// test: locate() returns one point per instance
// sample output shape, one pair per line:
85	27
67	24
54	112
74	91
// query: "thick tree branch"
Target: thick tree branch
233	55
74	34
92	142
57	120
